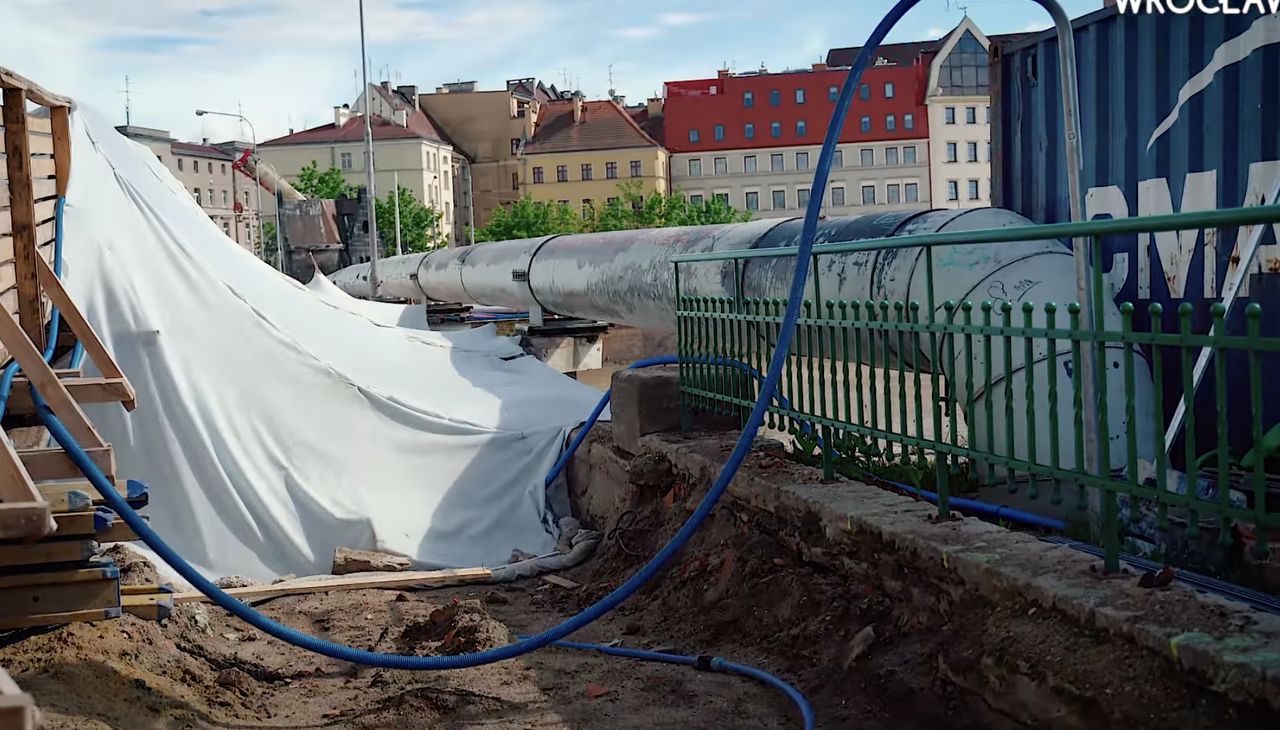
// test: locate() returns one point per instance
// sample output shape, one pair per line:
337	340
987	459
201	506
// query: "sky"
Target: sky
286	63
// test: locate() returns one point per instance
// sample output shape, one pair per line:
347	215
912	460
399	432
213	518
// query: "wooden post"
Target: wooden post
60	116
17	149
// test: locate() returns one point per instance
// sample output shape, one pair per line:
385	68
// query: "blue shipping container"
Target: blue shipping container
1178	113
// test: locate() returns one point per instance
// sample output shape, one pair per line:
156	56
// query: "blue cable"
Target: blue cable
705	663
632	584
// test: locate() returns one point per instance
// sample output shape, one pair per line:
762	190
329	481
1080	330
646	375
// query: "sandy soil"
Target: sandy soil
734	593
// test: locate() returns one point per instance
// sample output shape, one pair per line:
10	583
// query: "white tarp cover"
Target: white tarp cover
273	425
413	316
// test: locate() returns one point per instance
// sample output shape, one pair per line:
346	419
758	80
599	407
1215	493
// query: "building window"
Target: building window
246	198
537	176
749	163
866	125
749	131
448	213
953	190
775	162
719	132
226	202
908	121
802	161
695	168
779	199
722	198
611	200
966	70
864	92
951	152
635	168
888	89
562	202
211	190
837	197
891	156
695	200
562	173
868	194
179	164
197	192
801	128
893	193
799	96
971	115
988	152
972	149
833	93
344	160
802	197
988	115
837	160
586	207
890	123
909	155
586	171
611	170
693	136
775	97
748	99
224	165
775	129
913	192
753	200
721	165
949	115
210	165
867	157
973	190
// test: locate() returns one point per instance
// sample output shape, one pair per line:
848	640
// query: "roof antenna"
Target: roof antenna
128	102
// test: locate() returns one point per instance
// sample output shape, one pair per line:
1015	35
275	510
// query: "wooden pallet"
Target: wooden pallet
17	709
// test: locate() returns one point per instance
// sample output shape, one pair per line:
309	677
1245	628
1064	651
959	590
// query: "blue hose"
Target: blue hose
705	663
632	584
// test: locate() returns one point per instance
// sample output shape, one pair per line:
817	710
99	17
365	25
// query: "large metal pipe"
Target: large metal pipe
626	277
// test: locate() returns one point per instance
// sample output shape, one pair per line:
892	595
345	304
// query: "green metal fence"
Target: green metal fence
862	391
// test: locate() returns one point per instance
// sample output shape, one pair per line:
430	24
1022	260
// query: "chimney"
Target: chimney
723	73
655	106
204	141
402	117
341	114
410	92
386	86
819	67
577	107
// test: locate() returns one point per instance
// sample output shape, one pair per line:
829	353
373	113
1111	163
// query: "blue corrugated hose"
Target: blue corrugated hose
631	585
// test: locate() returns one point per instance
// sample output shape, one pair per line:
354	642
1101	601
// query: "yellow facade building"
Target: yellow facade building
582	150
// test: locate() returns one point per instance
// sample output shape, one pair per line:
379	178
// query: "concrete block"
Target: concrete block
644	401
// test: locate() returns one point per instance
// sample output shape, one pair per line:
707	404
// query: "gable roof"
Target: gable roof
417	125
653	125
604	126
201	150
900	54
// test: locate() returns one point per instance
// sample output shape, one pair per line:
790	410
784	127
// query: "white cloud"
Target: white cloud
1035	25
678	19
934	32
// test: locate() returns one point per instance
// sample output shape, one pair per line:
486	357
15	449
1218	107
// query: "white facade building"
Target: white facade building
959	107
774	182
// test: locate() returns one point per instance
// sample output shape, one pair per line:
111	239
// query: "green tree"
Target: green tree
631	209
326	185
269	242
527	218
421	228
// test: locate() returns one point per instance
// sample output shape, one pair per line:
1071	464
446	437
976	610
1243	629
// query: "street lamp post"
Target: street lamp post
262	237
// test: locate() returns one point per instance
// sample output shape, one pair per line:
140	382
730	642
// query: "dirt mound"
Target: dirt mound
135	570
460	627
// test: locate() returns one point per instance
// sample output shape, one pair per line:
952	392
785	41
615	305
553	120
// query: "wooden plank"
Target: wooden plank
77	323
36	92
60	117
17	709
44	211
17	148
42	187
45	166
18	602
59	619
95	572
43	125
157	609
53	464
53	390
83	390
39	553
40	144
23	512
80	494
119	531
145	589
391	581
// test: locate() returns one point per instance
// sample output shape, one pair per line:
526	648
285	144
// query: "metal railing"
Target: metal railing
958	396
